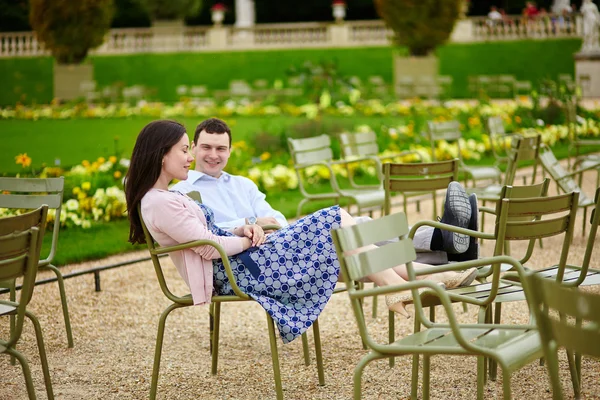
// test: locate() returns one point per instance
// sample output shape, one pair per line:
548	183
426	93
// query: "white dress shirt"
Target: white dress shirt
233	198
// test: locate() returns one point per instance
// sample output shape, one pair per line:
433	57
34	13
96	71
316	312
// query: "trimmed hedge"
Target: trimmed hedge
30	79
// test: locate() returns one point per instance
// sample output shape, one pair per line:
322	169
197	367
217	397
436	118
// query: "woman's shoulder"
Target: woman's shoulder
157	197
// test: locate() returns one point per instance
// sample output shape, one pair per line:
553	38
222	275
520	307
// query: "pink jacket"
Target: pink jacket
173	219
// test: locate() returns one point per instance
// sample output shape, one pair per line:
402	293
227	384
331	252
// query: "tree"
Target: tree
70	29
172	9
420	25
13	15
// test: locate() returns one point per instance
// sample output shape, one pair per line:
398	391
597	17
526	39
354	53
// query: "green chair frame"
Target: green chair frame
216	301
512	346
31	193
450	132
565	181
523	149
316	151
20	245
580	161
417	178
497	133
547	298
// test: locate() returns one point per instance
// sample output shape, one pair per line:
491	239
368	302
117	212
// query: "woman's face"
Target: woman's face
176	162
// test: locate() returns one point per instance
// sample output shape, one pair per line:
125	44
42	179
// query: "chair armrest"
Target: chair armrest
327	164
218	247
451	228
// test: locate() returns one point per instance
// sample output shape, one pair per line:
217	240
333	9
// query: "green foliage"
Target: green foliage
130	14
70	29
13	15
420	25
172	9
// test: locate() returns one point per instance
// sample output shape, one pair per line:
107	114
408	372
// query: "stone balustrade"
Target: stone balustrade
294	35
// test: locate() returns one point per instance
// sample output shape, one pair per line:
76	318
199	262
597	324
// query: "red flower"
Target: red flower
218	7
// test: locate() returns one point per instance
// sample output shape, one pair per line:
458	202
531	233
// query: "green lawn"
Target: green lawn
72	141
30	79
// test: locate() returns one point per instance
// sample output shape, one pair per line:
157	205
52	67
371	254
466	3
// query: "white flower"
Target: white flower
72	205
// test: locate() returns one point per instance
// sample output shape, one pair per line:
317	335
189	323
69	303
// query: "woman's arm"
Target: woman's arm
171	217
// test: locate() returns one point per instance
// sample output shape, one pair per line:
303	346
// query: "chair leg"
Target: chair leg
414	384
493	364
374	307
42	349
211	325
480	376
26	371
553	371
319	353
426	376
584	219
358	370
392	334
215	338
158	349
575	379
63	300
12	320
275	357
506	384
305	349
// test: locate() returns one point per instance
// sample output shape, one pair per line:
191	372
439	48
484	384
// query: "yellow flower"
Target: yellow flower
117	174
265	156
76	190
112	159
23	159
85	163
517	119
101	160
86	186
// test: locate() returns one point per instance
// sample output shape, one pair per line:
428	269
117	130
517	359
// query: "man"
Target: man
236	200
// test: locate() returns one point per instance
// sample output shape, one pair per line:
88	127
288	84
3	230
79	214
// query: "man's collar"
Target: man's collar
194	176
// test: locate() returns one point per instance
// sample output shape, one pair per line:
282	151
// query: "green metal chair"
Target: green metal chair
565	181
580	161
450	132
512	346
316	151
523	149
20	245
31	193
498	137
423	178
216	301
548	298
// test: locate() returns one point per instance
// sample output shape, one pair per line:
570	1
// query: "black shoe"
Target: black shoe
457	212
472	252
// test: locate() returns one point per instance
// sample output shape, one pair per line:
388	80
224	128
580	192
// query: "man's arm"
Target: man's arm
262	208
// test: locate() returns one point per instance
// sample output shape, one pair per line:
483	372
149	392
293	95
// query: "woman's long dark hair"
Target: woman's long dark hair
153	142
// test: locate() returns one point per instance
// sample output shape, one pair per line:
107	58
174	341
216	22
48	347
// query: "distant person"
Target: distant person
494	18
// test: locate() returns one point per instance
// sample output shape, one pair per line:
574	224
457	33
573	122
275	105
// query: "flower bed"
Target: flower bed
94	190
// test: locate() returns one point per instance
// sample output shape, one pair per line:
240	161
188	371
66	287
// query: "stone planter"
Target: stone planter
587	73
415	76
68	80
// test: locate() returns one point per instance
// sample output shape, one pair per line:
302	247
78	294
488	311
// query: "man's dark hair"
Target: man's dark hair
212	125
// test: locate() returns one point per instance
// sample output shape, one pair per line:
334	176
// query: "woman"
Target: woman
291	272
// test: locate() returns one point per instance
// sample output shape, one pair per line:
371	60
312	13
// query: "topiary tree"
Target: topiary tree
420	25
172	9
70	29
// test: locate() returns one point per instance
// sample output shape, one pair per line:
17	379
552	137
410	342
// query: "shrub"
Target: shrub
13	15
172	9
70	29
420	25
130	14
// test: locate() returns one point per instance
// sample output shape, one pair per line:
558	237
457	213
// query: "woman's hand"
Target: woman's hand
253	232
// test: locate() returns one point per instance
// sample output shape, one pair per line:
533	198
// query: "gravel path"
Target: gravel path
115	331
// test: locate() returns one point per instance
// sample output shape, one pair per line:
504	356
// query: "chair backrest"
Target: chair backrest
358	144
495	126
559	312
31	193
310	150
448	131
20	244
560	175
522	149
531	218
417	177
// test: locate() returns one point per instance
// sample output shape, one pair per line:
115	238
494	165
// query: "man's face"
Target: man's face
211	152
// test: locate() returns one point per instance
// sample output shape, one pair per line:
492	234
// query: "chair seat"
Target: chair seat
589	161
483	172
6	309
509	344
365	198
